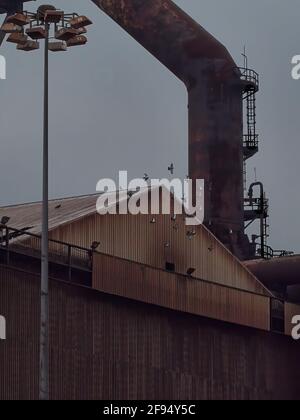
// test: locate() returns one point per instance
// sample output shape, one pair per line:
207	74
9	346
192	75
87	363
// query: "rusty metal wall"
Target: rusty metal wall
136	238
143	283
215	105
105	347
19	353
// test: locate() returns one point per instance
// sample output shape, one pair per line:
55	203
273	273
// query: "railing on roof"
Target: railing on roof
76	257
250	78
251	141
271	253
29	244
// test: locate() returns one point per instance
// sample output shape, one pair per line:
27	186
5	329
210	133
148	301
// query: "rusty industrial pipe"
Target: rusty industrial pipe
215	104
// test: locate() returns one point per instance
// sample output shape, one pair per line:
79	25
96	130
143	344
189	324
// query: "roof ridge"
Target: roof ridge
30	203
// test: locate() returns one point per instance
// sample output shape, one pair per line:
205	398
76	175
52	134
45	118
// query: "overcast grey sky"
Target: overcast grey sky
113	106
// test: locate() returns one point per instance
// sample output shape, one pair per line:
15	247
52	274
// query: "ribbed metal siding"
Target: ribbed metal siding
19	353
135	238
105	347
150	285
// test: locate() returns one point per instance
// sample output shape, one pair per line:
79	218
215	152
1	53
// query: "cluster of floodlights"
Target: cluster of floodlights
64	30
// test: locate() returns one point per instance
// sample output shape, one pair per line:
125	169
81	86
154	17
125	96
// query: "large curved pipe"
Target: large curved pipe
278	273
215	104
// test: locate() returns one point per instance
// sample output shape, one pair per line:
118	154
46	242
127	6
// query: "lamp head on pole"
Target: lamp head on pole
26	28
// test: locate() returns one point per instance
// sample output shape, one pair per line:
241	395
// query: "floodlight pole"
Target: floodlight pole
44	327
44	18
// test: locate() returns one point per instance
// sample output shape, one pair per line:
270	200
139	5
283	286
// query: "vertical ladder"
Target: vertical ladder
250	80
245	175
251	118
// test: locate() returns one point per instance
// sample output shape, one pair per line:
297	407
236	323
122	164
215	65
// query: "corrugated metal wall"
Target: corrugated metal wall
19	353
136	238
150	285
105	347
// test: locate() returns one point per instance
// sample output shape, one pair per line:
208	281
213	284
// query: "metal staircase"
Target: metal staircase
257	208
250	83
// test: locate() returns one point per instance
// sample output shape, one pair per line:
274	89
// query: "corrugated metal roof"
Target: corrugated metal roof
64	211
61	211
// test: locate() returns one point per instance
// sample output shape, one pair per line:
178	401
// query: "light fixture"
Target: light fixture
4	220
64	34
36	32
57	46
95	245
18	19
29	46
17	38
42	10
190	271
77	40
53	16
10	28
80	21
153	221
81	31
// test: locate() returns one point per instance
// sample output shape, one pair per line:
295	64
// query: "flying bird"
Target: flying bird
171	168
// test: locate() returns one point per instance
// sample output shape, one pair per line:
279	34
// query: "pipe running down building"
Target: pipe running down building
215	105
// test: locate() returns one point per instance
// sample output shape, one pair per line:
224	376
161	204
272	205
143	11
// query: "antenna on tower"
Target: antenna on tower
255	174
244	54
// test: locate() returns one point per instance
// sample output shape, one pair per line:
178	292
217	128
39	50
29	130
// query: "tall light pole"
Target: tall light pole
67	30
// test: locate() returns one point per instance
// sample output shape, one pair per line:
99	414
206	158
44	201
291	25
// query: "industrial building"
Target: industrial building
143	307
128	321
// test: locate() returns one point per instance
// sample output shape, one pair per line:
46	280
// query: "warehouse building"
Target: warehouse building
153	312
